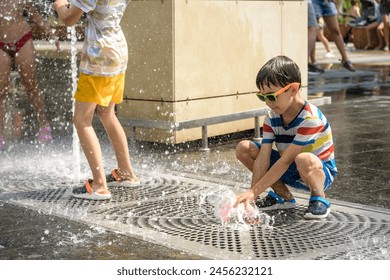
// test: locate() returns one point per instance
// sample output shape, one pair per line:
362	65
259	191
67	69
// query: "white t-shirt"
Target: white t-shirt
104	51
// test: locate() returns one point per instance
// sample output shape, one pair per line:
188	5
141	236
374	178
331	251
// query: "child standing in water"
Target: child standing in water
17	48
100	86
304	154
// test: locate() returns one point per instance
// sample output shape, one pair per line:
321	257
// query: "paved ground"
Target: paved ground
359	116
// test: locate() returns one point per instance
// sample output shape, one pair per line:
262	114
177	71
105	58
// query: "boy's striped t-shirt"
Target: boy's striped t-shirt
309	129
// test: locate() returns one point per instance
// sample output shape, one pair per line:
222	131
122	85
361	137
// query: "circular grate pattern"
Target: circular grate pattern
174	208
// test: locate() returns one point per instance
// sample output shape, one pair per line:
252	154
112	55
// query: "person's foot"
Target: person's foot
117	178
386	49
347	64
87	192
318	208
274	201
314	69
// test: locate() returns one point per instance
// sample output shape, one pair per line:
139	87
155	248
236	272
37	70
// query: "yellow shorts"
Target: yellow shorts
100	89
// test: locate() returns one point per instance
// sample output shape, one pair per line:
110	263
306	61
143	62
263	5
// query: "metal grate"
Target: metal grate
171	210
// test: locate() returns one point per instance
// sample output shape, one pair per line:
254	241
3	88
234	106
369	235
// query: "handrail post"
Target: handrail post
257	129
205	142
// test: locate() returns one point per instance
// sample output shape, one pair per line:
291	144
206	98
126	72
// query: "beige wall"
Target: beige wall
194	59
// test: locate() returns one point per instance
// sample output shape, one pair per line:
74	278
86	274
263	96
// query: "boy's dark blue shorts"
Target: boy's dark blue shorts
291	176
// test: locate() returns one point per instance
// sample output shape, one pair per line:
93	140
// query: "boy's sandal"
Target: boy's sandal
273	201
87	192
115	179
318	208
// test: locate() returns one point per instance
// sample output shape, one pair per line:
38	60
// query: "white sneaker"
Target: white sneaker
386	49
329	55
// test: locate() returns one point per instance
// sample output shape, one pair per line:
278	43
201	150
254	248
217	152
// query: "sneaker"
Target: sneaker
44	135
348	65
329	55
2	143
386	49
273	201
86	192
114	179
318	208
314	69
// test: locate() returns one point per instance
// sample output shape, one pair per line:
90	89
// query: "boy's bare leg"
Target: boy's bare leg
247	152
281	189
310	169
83	116
118	140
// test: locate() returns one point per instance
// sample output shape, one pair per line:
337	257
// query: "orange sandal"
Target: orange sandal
87	192
114	179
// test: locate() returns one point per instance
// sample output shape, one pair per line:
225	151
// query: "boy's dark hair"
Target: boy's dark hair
278	71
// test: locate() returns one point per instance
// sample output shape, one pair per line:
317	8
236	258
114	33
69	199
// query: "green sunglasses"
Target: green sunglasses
273	96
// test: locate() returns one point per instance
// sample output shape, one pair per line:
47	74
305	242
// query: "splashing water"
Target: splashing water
76	147
223	201
374	247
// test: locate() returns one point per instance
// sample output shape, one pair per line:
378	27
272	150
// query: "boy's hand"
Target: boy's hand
246	197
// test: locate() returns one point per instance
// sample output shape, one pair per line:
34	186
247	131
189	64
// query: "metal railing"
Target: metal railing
205	122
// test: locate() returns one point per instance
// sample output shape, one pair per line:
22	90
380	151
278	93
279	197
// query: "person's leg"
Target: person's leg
118	140
379	31
5	71
385	20
311	172
25	63
368	28
247	152
324	41
318	178
83	116
311	33
333	26
282	190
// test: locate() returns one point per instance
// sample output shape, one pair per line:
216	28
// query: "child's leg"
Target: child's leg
281	189
246	152
311	171
118	140
82	119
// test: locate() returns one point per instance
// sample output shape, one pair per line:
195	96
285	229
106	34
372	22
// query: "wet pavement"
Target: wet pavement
359	116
